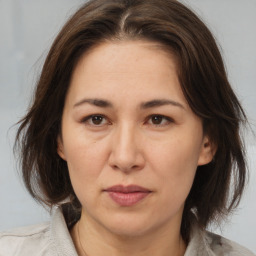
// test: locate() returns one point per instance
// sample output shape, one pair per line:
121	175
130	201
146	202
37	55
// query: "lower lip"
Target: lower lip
127	199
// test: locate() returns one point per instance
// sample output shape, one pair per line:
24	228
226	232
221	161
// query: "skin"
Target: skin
125	145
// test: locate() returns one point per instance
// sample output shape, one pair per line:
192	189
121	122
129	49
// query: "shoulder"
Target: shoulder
48	239
32	240
222	246
205	243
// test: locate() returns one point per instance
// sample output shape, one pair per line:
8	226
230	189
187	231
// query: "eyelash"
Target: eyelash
167	119
89	118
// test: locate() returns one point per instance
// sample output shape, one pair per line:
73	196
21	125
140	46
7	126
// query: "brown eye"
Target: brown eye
157	119
97	120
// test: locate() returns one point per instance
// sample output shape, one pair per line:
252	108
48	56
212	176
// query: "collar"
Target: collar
60	234
64	245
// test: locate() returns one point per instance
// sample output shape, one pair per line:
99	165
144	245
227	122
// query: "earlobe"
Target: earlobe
60	149
207	153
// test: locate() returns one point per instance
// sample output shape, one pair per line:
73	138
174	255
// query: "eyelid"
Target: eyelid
167	118
87	118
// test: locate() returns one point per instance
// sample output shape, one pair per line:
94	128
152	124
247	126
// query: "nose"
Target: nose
126	152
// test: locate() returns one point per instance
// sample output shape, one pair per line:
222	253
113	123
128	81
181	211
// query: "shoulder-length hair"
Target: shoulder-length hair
202	78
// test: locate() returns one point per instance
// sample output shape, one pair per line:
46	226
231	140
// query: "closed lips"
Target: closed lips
127	195
127	189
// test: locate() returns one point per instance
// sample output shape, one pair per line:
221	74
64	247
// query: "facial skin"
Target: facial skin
133	139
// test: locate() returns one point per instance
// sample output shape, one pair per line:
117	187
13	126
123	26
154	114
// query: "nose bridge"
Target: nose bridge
125	153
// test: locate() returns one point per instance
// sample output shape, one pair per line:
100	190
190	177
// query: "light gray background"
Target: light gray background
27	29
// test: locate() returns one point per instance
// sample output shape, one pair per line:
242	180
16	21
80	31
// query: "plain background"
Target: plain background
28	28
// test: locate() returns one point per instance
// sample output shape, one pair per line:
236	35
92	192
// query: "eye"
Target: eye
95	120
159	120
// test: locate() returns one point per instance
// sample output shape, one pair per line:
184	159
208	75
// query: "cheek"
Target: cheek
175	163
175	157
85	160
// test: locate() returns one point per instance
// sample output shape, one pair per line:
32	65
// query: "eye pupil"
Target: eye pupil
97	119
157	119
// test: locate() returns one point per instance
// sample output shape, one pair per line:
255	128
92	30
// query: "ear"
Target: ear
208	151
60	148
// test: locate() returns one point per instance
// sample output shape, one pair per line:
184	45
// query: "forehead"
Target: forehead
134	67
109	55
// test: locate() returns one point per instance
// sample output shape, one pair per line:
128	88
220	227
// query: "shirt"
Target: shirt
53	239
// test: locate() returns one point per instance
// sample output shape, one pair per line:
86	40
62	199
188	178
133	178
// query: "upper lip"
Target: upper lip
127	189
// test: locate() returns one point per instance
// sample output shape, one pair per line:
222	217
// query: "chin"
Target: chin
130	226
129	231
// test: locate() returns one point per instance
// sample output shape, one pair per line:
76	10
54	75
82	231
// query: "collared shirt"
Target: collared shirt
53	239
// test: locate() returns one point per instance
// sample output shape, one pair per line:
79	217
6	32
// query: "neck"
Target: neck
91	239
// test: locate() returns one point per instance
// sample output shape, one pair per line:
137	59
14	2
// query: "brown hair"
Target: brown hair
203	80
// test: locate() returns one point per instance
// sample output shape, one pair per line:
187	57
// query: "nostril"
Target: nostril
126	168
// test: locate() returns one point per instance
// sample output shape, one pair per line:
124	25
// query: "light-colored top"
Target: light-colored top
53	239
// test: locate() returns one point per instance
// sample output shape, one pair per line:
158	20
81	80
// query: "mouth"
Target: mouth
127	195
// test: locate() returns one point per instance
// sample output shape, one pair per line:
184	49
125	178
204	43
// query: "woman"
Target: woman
134	136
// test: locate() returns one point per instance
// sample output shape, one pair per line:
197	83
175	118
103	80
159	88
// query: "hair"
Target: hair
218	186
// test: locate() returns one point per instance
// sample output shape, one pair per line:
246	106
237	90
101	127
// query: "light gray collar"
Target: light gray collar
64	245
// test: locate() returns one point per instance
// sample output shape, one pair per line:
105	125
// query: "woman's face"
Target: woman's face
130	139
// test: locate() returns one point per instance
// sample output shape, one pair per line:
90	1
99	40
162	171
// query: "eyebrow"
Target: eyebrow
96	102
159	103
144	105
